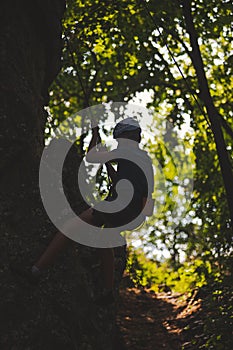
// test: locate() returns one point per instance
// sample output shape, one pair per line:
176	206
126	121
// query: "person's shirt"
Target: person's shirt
137	169
133	164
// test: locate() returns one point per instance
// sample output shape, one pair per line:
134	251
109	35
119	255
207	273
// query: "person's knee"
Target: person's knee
87	216
77	222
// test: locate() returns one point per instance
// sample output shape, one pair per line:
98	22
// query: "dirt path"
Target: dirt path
151	321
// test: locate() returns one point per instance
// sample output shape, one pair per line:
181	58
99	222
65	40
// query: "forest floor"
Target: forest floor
155	321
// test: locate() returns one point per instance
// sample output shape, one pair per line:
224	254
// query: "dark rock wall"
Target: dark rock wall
59	313
30	50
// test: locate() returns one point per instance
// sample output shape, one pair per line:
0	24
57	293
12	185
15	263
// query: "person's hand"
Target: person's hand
95	134
95	130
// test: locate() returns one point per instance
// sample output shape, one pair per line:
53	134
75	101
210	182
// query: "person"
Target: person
128	135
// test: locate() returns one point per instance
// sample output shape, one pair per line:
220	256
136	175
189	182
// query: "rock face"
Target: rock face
59	313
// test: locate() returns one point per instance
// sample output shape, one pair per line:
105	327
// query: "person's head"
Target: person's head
128	128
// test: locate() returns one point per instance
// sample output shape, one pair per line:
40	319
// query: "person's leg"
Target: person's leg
53	249
32	274
107	261
59	242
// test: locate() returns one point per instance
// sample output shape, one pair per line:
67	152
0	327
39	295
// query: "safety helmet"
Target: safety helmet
128	124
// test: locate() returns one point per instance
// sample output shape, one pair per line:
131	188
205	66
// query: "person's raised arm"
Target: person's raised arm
111	171
95	139
95	155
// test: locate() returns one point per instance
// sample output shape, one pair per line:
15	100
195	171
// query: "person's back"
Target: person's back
135	166
138	171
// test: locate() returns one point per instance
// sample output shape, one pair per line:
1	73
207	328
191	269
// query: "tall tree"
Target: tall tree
213	114
121	48
59	313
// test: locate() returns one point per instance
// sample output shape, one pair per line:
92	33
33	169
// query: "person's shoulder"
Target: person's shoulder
114	154
144	154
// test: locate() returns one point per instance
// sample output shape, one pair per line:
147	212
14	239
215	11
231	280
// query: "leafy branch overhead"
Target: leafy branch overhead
113	50
180	52
119	51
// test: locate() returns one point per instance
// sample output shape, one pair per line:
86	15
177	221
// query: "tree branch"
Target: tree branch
213	114
226	126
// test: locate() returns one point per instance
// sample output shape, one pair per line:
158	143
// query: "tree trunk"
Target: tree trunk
59	313
214	118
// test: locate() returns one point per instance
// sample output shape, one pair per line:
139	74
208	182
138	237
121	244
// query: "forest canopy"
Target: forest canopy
115	50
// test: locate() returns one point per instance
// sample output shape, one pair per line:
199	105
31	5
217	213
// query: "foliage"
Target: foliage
112	51
219	326
212	324
157	276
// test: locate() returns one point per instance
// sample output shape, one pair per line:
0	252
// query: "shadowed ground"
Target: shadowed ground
150	321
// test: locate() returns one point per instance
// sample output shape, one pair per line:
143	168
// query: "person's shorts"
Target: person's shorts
125	217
